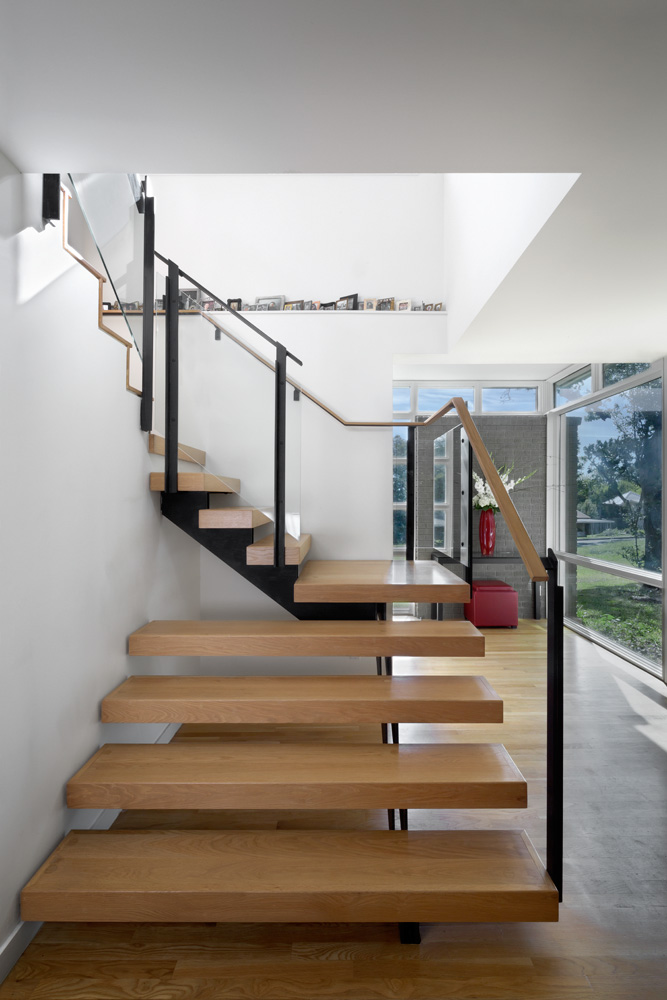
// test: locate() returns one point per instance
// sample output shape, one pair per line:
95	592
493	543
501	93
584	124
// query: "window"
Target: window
431	398
573	387
611	374
509	399
612	514
402	402
400	496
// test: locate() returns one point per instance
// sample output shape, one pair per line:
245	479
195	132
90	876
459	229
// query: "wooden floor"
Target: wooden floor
610	943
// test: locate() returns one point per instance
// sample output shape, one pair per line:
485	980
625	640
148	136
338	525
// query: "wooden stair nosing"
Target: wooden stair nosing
306	638
232	517
383	580
260	553
314	699
186	453
197	482
291	875
298	776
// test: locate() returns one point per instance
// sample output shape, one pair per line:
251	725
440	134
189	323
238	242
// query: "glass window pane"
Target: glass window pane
431	398
616	373
440	446
613	478
627	613
401	399
400	482
509	399
400	442
439	525
573	387
439	482
400	522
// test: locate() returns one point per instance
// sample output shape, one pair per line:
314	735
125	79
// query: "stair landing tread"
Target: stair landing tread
380	580
310	699
307	638
292	875
298	776
197	482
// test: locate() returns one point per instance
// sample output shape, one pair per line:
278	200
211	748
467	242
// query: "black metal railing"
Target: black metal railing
172	299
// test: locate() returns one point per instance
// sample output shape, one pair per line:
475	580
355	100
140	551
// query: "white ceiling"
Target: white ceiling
382	86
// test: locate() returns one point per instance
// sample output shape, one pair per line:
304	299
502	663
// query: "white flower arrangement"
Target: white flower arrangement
484	499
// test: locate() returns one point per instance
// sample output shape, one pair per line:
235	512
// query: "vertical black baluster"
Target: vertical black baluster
171	382
146	413
554	725
410	505
279	461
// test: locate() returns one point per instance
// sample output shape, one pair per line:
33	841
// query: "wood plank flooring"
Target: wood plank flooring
609	944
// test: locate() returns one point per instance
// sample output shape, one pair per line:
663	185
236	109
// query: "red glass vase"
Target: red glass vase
487	532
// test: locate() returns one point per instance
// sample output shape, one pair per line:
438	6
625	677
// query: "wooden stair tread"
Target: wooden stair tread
291	875
298	776
260	553
306	638
232	517
380	580
316	699
197	482
186	453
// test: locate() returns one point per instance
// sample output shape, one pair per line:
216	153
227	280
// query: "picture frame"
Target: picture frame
316	304
370	305
189	299
347	302
418	309
295	306
234	304
247	308
385	305
208	305
404	305
328	306
270	303
437	307
308	305
428	307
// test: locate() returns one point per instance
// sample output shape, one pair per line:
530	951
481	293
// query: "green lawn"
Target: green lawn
628	613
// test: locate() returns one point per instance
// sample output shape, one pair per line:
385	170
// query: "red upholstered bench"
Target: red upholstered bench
493	603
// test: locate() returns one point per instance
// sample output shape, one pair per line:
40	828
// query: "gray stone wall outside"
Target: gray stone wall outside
518	439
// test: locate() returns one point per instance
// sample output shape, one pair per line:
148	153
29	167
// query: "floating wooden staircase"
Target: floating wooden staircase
298	875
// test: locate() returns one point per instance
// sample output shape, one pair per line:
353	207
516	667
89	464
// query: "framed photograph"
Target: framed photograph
188	298
208	305
428	307
347	302
316	304
437	307
417	309
327	305
370	305
385	305
296	306
234	304
404	305
270	303
248	308
308	304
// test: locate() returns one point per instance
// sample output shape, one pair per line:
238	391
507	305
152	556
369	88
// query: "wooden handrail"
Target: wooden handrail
520	536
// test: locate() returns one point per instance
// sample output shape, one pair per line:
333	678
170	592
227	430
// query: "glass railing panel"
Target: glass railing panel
437	483
227	407
293	413
109	205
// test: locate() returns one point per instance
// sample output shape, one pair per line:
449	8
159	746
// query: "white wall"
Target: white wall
489	220
86	557
305	236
